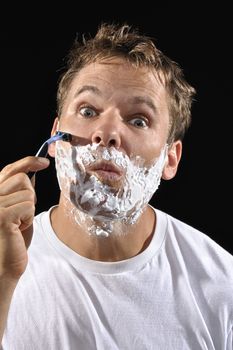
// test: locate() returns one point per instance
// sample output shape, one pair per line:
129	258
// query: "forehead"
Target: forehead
118	75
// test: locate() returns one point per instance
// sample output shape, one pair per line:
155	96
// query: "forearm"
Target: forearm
7	287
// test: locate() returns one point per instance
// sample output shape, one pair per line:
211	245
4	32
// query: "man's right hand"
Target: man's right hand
17	210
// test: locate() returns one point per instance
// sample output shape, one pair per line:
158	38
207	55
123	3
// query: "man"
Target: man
104	269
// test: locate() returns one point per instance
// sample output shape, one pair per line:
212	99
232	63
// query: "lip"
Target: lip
106	171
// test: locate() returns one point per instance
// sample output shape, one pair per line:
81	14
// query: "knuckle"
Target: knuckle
31	208
7	168
30	196
22	178
29	159
18	178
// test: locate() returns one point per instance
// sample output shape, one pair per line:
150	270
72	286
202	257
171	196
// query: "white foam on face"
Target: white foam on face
98	201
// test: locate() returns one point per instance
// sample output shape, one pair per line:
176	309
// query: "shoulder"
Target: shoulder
198	250
203	264
197	240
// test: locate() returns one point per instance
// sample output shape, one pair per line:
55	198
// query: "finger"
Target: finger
17	197
17	217
15	183
25	165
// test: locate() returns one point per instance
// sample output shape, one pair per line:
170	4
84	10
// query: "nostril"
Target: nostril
97	139
112	142
106	140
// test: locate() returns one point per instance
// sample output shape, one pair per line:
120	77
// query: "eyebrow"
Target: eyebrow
143	100
90	88
134	100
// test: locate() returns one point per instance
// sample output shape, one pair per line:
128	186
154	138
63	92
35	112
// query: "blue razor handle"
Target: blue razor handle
43	150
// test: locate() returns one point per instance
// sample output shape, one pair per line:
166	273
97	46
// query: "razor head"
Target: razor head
64	136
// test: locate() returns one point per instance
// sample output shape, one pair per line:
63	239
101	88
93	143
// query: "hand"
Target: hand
17	210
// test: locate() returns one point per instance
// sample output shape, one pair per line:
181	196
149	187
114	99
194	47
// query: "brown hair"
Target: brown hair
113	40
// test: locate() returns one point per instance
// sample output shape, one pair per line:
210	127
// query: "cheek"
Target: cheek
147	149
81	133
64	168
69	124
151	144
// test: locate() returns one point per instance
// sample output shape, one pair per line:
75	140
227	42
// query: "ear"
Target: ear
55	128
172	161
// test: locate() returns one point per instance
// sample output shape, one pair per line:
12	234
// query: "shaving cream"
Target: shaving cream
97	201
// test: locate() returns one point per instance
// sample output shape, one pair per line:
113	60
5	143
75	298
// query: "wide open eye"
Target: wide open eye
139	122
87	112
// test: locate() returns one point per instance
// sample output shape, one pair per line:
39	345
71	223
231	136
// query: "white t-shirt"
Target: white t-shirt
177	294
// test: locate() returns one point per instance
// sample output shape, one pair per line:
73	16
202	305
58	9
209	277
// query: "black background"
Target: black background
34	42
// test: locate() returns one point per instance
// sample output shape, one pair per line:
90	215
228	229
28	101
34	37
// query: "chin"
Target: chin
104	214
98	212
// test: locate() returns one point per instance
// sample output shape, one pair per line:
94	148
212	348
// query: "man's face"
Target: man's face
112	100
119	114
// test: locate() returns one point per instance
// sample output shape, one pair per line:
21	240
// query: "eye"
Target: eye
139	122
87	112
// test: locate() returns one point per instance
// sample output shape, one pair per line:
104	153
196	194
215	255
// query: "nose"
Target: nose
107	134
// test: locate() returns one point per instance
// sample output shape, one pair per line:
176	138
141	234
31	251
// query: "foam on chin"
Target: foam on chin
98	202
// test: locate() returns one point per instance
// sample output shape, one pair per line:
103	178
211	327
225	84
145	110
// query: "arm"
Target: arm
17	208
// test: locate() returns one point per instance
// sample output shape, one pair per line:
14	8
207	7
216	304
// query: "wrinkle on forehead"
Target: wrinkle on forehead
119	67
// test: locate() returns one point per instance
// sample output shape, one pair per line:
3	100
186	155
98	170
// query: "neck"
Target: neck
99	240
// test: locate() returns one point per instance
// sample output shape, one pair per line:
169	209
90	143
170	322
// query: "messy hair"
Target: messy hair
114	40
